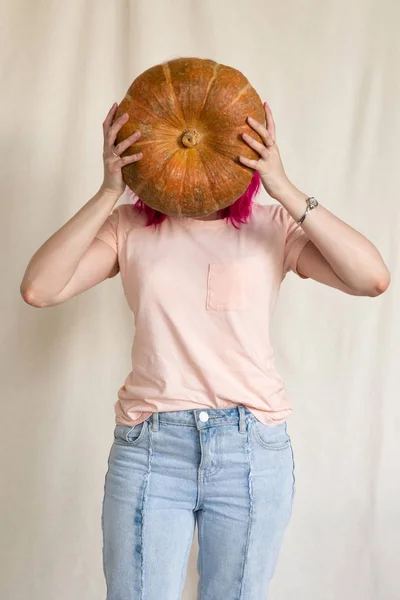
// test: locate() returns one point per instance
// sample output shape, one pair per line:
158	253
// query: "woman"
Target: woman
200	434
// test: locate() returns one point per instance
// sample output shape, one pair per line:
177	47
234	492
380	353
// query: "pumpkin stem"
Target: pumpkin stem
190	138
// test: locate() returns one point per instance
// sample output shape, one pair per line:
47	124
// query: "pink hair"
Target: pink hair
238	212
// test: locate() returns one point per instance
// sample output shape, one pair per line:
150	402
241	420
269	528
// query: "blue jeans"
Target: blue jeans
220	468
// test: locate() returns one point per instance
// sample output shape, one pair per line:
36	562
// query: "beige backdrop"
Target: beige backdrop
330	71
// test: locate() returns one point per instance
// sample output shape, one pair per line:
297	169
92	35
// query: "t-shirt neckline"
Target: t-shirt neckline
192	222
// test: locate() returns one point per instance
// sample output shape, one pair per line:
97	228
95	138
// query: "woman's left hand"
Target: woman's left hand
269	165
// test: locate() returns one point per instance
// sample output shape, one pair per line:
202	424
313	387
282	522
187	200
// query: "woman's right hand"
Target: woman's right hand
113	181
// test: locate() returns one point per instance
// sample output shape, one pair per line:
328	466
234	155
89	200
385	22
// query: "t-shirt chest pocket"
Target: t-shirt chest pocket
231	285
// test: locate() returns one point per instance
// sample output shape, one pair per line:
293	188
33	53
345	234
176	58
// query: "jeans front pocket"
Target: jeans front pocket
273	437
231	285
130	435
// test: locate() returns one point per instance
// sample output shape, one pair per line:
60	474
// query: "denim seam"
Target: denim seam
146	484
102	516
200	476
250	488
293	479
200	559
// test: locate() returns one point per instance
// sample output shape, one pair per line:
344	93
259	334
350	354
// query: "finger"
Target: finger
109	118
122	146
248	162
262	131
115	127
126	160
260	148
270	121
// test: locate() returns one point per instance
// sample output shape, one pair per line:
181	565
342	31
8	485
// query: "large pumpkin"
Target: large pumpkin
191	113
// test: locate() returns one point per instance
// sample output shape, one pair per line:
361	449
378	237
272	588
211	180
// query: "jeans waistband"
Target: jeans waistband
203	417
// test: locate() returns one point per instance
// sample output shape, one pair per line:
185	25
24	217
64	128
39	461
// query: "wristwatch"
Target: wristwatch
311	203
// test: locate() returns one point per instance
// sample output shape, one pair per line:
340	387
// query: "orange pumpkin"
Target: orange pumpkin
191	113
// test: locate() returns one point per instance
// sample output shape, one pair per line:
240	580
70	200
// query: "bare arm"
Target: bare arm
72	260
71	249
337	254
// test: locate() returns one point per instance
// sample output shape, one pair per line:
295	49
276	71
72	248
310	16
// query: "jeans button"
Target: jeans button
203	416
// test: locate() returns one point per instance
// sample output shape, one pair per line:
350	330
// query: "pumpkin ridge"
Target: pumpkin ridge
213	79
206	170
168	79
138	188
163	169
155	116
182	184
210	174
227	107
219	151
144	108
217	201
145	143
240	94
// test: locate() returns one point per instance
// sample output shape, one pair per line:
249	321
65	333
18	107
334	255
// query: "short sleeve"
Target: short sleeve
296	239
108	232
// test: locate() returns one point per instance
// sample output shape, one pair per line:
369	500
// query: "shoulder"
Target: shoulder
128	217
270	215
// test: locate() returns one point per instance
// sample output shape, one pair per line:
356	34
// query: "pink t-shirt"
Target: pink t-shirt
202	294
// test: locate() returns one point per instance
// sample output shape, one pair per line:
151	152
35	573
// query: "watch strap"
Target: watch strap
311	203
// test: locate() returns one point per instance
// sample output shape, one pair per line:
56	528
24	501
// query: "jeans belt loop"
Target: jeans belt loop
242	419
154	422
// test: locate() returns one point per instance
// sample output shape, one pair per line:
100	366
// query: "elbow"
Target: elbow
380	285
30	297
